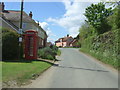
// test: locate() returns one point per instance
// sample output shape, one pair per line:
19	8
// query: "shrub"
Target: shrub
47	53
58	52
10	44
50	57
0	44
54	48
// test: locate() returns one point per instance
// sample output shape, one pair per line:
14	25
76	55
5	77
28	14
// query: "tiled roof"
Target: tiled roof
9	23
75	40
14	15
64	39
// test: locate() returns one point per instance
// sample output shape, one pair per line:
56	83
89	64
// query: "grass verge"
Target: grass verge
22	72
0	72
101	57
58	52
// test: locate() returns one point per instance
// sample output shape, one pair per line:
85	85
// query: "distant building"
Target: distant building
74	43
11	20
64	42
49	44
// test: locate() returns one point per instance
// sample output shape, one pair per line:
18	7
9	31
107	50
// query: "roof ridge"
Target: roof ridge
12	10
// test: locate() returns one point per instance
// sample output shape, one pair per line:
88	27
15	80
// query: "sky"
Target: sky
57	18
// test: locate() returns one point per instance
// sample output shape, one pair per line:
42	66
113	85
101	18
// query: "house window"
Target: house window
42	42
60	40
24	25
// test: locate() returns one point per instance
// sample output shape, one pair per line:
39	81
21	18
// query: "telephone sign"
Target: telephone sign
20	39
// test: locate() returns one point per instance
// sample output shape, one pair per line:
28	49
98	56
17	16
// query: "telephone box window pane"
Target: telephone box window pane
30	44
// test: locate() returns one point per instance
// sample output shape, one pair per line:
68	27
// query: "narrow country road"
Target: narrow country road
76	70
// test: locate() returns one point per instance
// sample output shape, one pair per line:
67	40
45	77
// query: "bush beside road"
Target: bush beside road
10	45
49	52
58	52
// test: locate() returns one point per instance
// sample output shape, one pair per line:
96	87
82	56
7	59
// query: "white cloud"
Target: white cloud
73	18
44	25
51	36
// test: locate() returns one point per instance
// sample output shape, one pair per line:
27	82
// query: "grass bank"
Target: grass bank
22	72
101	58
58	52
0	71
104	47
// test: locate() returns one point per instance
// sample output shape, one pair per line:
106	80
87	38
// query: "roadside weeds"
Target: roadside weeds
100	62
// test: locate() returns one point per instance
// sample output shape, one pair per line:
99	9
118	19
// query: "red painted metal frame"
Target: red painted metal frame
34	35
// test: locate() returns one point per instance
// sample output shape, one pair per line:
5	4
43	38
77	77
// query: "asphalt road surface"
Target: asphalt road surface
76	70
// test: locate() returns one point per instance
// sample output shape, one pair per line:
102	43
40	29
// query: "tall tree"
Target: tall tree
114	20
86	30
114	4
96	15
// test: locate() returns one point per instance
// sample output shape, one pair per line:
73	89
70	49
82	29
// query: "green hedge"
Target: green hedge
0	44
105	47
48	52
10	45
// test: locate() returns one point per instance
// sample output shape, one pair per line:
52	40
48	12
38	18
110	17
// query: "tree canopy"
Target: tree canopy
96	15
114	20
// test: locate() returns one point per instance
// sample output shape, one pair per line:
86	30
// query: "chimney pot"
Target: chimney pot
38	23
30	14
2	6
67	35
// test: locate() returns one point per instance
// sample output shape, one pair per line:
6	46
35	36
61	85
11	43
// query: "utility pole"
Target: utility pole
20	29
21	16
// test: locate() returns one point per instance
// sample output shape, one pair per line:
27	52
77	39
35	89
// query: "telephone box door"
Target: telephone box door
30	45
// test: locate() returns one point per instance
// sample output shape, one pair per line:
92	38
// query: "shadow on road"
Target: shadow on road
57	60
56	65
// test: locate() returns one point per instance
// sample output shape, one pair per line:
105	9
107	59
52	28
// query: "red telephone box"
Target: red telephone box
31	37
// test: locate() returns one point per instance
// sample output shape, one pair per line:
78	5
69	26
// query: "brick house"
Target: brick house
11	20
74	43
49	44
64	42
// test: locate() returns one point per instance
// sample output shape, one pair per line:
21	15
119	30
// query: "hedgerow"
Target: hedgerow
10	44
105	47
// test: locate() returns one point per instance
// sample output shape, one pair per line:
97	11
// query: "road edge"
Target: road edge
100	62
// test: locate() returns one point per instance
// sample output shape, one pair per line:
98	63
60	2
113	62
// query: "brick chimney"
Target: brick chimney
2	6
30	14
